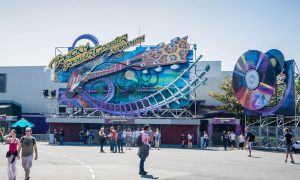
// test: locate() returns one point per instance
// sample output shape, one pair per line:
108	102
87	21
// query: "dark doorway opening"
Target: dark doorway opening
217	132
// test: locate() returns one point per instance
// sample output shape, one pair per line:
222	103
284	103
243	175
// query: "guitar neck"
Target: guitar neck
109	70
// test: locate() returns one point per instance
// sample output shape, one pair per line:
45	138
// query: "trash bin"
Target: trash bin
51	138
201	142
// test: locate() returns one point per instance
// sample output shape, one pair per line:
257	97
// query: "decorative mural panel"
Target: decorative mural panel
123	82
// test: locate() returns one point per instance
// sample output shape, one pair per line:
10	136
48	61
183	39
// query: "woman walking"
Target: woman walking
128	138
190	140
157	137
12	154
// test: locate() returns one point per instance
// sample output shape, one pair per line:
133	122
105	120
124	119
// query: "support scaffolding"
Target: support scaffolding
269	130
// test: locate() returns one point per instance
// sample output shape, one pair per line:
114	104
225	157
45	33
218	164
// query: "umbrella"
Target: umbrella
22	123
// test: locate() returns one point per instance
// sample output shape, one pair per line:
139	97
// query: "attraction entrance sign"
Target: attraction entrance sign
120	82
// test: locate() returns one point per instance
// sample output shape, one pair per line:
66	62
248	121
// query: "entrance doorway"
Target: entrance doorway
218	131
216	126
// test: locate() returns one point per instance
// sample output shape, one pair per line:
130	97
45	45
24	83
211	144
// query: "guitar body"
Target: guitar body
74	83
163	55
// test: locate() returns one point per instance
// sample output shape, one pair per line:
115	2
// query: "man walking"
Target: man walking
120	140
143	149
225	140
288	143
62	136
249	139
113	139
205	139
27	145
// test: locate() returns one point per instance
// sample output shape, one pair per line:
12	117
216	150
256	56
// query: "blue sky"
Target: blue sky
223	30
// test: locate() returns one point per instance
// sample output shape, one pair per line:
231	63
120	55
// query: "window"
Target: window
2	83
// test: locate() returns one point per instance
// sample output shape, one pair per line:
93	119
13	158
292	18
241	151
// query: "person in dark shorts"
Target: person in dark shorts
120	140
183	139
288	143
102	137
249	139
143	152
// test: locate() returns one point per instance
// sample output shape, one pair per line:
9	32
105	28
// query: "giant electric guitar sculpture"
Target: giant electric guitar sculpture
134	82
149	59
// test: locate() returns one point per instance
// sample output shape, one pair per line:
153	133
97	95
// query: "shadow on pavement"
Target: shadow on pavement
255	157
149	176
296	164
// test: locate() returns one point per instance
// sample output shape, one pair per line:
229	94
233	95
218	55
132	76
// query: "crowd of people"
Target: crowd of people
189	137
118	138
25	147
241	142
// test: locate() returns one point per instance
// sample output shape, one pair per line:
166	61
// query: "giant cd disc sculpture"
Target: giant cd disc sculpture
254	82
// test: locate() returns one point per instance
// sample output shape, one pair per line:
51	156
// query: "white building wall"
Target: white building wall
214	77
25	85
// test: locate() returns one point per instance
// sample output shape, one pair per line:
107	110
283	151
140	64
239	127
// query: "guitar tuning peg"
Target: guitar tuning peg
175	66
158	69
176	39
145	71
160	45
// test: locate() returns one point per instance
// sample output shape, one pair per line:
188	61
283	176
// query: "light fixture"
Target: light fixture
46	93
53	93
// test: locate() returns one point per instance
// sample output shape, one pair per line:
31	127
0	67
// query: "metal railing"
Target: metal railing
271	137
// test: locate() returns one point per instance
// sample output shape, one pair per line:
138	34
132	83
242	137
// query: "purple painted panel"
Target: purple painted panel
41	127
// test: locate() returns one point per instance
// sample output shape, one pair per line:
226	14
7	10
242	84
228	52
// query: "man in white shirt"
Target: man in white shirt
241	141
205	139
232	139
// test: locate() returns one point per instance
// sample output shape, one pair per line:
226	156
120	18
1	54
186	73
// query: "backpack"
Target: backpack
251	137
139	141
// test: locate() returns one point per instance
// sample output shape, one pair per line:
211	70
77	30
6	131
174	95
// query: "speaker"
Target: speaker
62	109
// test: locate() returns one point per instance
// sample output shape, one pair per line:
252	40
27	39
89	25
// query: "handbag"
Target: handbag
8	153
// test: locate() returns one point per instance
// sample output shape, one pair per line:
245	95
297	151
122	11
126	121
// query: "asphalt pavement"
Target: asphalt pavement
87	163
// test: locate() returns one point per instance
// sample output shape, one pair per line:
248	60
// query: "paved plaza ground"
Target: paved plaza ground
86	163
